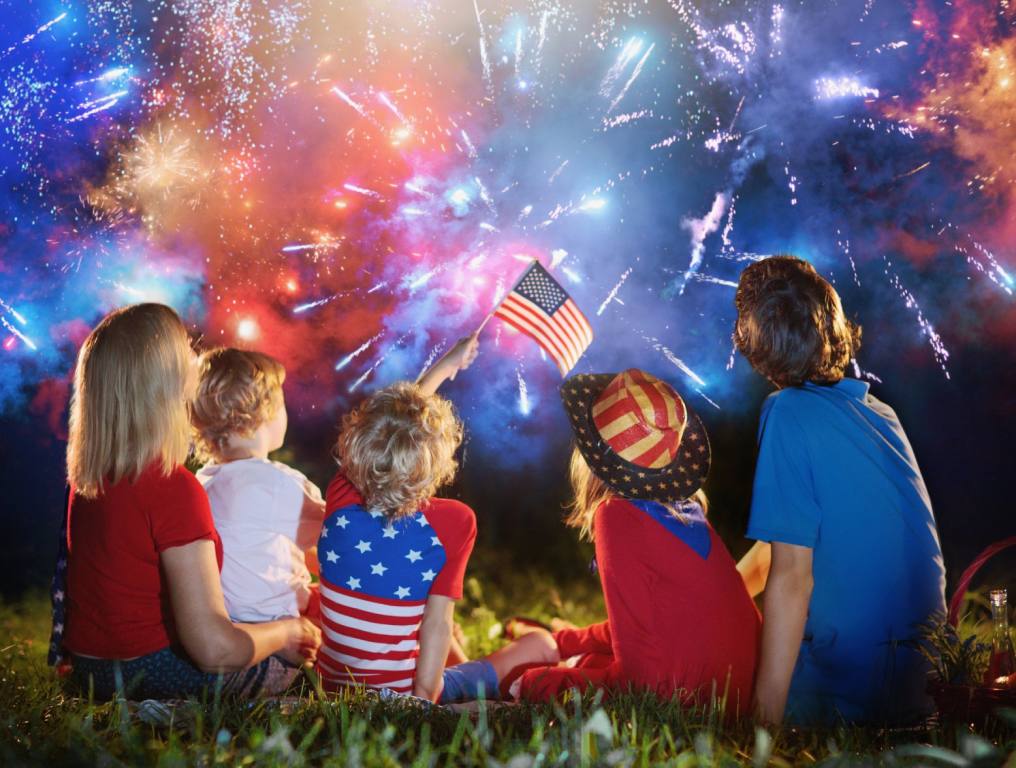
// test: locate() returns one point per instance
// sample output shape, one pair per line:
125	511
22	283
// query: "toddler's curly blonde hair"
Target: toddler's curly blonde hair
238	391
398	447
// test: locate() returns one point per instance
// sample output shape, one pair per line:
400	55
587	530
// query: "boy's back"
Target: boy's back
267	515
836	473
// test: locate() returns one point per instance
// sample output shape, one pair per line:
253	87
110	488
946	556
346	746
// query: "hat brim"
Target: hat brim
675	482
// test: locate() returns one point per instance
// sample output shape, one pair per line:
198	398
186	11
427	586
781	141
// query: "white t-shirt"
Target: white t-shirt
267	515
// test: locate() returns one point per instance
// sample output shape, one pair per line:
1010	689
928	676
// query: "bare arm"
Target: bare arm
754	567
458	358
213	642
784	612
435	640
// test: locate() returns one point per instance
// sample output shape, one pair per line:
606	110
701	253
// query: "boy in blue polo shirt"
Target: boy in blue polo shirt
848	553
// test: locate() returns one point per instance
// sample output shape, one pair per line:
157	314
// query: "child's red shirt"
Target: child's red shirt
678	614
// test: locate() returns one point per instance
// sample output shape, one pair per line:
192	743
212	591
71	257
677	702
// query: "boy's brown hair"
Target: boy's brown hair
238	391
398	447
790	323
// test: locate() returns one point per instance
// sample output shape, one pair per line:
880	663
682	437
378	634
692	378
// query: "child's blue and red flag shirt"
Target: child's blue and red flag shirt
376	576
836	473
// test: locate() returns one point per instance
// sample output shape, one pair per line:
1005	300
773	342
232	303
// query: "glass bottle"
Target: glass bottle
1003	660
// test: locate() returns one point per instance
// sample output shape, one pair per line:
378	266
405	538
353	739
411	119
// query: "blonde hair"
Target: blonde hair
398	447
129	402
590	492
238	391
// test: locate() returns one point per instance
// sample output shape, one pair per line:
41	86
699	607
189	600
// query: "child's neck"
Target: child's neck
239	448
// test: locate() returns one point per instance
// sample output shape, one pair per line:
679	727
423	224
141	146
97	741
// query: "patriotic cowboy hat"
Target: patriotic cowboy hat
637	434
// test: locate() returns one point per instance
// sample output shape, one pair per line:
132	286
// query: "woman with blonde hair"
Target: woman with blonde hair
679	619
145	615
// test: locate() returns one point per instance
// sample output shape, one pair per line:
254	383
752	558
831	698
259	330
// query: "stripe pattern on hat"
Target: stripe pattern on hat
641	418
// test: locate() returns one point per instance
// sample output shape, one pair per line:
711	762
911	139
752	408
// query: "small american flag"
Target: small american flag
543	310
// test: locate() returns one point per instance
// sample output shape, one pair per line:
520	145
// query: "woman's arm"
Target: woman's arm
435	640
754	567
784	612
458	358
212	641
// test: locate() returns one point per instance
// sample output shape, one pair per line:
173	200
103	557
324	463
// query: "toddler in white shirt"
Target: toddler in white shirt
268	514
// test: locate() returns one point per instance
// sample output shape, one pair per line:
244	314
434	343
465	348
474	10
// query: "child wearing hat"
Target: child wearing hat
679	619
848	553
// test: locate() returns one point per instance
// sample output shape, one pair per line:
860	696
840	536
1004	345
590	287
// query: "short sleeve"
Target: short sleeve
299	506
341	493
455	525
783	504
179	511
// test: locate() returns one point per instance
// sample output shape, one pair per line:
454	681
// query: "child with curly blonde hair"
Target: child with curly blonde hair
393	556
267	513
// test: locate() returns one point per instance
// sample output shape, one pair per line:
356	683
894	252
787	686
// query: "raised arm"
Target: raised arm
212	641
435	640
784	612
456	359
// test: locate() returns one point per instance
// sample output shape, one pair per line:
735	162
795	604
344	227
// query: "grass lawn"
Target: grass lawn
41	725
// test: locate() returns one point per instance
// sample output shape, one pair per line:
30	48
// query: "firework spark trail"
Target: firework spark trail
634	75
297	247
353	103
628	117
728	227
32	35
631	49
524	405
111	74
355	385
840	87
27	341
383	98
613	291
938	347
484	60
470	149
557	172
13	312
674	360
714	280
485	196
844	245
538	57
318	303
357	352
362	191
97	105
993	271
700	229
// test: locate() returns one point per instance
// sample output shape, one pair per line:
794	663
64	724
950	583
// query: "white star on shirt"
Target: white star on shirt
58	628
402	592
435	541
324	531
58	595
363	546
353	583
389	532
375	513
421	521
378	569
413	556
342	521
428	575
331	556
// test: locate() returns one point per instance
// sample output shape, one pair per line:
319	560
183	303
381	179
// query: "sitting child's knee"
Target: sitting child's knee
541	644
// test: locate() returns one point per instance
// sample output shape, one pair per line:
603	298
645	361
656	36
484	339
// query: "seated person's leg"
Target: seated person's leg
498	670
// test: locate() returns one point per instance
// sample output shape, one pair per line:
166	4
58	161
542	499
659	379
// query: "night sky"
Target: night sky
352	186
